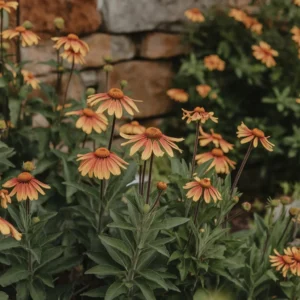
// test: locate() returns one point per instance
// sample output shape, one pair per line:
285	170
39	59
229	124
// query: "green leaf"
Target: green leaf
87	189
161	249
95	293
115	290
49	255
3	296
37	290
104	270
117	244
170	223
8	243
13	275
121	225
146	291
22	290
46	279
155	277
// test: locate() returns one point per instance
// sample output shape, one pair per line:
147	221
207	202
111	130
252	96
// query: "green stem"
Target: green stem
149	178
143	178
195	148
29	257
100	213
112	132
18	16
84	140
156	201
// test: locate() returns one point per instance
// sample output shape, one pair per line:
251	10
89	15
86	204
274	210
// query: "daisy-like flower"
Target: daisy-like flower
281	262
296	35
100	164
25	186
253	25
8	5
89	120
7	229
73	57
71	42
28	37
297	2
214	62
195	15
114	101
200	187
178	95
152	140
265	53
133	127
198	114
30	79
215	138
254	135
237	14
221	162
294	254
5	198
203	90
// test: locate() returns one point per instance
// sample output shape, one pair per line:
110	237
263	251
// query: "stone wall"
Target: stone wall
142	36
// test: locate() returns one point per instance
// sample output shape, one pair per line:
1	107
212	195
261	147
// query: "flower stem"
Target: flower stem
58	73
84	140
149	178
157	200
285	229
143	178
29	258
194	221
112	132
18	16
238	175
100	205
1	41
106	81
195	148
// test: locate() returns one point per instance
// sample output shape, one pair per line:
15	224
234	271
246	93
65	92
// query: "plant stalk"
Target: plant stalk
18	45
285	229
195	148
112	132
143	178
149	178
157	200
100	206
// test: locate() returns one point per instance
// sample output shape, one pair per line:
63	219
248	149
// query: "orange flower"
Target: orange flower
298	100
71	42
294	254
152	140
89	120
253	24
7	229
203	90
8	5
221	163
297	2
214	62
203	187
265	53
28	37
178	95
25	186
30	79
195	15
133	127
216	139
254	135
296	35
73	57
100	164
198	114
114	102
5	198
237	14
60	107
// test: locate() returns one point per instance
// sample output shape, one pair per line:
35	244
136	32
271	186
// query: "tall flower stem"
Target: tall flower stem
157	200
1	41
106	80
29	258
143	177
58	73
195	147
140	177
100	205
149	178
67	89
18	45
112	132
84	140
238	175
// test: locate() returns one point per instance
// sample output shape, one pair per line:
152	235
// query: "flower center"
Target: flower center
217	152
102	152
135	123
217	136
24	177
115	93
88	112
205	183
287	259
73	36
257	132
199	109
195	10
153	133
20	29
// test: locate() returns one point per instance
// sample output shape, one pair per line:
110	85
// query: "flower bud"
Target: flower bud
27	25
246	206
35	220
90	91
123	84
28	166
162	186
146	208
258	205
274	202
59	23
107	59
285	200
294	211
108	68
202	230
235	199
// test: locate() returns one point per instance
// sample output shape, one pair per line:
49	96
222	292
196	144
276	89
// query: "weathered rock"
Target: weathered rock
101	45
162	45
147	81
81	17
142	15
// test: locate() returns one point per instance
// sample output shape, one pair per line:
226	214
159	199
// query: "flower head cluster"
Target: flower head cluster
178	95
133	127
30	79
214	62
194	15
265	54
287	262
251	23
27	37
198	114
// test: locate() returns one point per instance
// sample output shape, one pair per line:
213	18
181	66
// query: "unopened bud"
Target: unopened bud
90	91
36	220
107	59
246	206
146	208
274	202
108	68
123	83
235	199
285	200
162	186
28	166
202	230
258	205
294	211
59	23
27	25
